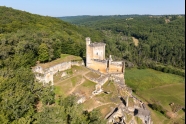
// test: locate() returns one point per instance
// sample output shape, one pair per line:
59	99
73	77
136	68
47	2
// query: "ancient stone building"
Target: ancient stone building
95	59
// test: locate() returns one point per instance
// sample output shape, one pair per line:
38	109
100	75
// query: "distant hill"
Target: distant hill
88	18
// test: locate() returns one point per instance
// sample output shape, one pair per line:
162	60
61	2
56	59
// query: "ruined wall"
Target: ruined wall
46	75
77	63
98	65
45	78
99	52
116	67
38	69
59	67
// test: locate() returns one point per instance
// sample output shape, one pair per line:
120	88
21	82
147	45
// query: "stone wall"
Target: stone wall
98	66
45	75
77	63
59	67
44	78
98	52
115	67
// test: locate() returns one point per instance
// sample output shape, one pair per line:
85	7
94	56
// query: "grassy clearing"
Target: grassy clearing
76	80
64	86
113	93
86	88
154	86
158	118
105	109
79	69
110	87
143	79
167	94
58	78
89	103
57	90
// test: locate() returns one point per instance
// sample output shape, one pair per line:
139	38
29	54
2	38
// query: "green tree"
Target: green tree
43	53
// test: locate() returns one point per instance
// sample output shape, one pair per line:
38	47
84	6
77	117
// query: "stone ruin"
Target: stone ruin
114	71
44	72
118	114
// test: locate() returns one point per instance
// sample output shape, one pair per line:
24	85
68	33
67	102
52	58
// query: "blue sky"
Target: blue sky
58	8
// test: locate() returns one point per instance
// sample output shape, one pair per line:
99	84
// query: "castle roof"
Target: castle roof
97	44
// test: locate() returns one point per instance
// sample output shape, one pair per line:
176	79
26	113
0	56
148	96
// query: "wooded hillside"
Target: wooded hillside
24	39
161	38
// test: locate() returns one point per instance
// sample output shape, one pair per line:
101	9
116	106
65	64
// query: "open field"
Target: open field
154	86
143	79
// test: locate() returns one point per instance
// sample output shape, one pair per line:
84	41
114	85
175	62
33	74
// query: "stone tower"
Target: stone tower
95	59
88	51
94	51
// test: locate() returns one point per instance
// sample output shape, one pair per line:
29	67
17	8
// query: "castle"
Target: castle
109	70
95	59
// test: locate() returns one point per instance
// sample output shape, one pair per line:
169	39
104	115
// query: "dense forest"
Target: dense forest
161	39
24	39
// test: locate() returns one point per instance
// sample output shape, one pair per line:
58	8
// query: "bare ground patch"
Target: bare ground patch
136	41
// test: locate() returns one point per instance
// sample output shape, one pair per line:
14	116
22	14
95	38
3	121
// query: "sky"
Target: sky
60	8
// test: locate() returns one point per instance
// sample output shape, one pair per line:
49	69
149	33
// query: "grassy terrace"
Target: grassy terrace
63	58
149	85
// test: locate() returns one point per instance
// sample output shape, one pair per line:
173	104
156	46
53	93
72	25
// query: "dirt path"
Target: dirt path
82	73
90	109
82	81
72	90
134	120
